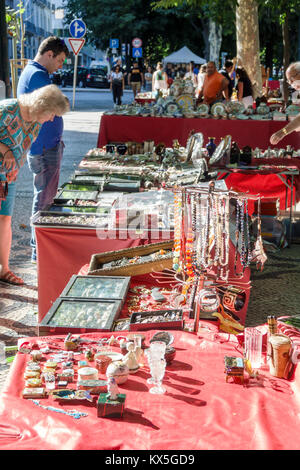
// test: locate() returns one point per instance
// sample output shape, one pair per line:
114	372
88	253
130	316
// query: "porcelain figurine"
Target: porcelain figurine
112	388
130	359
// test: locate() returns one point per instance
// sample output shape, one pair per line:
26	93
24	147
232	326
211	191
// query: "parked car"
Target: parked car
56	77
68	76
97	78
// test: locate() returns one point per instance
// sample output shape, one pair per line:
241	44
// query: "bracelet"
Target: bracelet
285	131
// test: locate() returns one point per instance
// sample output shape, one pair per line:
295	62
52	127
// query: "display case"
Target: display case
157	320
97	287
65	195
69	315
134	261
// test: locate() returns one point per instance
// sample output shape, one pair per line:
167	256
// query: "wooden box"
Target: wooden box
136	268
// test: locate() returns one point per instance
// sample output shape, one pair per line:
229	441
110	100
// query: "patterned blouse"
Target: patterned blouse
16	133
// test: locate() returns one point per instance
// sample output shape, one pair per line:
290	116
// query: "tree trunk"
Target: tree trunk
286	55
247	42
215	41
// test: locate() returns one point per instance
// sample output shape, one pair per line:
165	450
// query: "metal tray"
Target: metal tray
54	220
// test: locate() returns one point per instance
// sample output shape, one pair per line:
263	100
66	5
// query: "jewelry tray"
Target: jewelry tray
102	220
171	324
50	324
97	260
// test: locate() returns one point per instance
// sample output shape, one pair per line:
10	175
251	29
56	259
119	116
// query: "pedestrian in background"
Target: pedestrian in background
20	122
159	79
117	84
136	79
45	155
148	79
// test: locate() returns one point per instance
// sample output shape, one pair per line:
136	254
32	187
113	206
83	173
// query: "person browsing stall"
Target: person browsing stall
244	87
20	122
45	155
293	78
215	85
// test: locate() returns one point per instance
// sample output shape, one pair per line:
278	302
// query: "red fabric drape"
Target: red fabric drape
198	411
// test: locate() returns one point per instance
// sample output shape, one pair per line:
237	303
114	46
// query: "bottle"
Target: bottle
211	146
272	324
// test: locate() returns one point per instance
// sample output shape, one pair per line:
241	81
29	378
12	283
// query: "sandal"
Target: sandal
10	278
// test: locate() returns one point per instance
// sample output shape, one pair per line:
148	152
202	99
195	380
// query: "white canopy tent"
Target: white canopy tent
183	56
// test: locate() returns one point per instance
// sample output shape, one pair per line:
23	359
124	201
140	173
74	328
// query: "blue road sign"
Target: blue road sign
114	43
77	28
137	52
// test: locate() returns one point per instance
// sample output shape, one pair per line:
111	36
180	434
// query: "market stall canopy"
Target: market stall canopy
183	56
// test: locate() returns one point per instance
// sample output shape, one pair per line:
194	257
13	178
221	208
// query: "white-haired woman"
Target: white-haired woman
20	122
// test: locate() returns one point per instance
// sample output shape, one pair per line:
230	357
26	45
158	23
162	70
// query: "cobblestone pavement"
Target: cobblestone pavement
275	290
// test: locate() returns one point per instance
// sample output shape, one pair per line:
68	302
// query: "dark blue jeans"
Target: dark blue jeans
45	169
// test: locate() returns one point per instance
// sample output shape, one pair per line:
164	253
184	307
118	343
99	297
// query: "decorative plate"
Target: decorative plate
164	336
172	108
203	109
235	107
242	116
292	109
185	102
218	109
263	109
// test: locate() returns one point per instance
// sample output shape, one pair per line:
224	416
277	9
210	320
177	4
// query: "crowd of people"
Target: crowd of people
210	85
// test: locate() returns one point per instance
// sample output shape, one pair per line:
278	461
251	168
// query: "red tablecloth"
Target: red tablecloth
139	129
198	411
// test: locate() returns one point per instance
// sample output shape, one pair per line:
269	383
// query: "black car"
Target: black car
68	76
56	77
97	78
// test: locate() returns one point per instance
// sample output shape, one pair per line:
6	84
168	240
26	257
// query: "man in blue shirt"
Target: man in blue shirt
44	157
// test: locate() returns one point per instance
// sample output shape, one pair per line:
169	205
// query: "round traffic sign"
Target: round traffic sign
137	42
77	28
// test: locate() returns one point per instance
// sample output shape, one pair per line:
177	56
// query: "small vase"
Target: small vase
211	146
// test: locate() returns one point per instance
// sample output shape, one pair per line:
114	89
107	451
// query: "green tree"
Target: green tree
162	31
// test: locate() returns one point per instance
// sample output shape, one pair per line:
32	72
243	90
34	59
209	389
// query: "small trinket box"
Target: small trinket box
87	373
68	365
37	392
36	355
31	374
51	364
82	364
33	383
234	367
34	366
102	362
67	375
93	386
107	408
62	383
